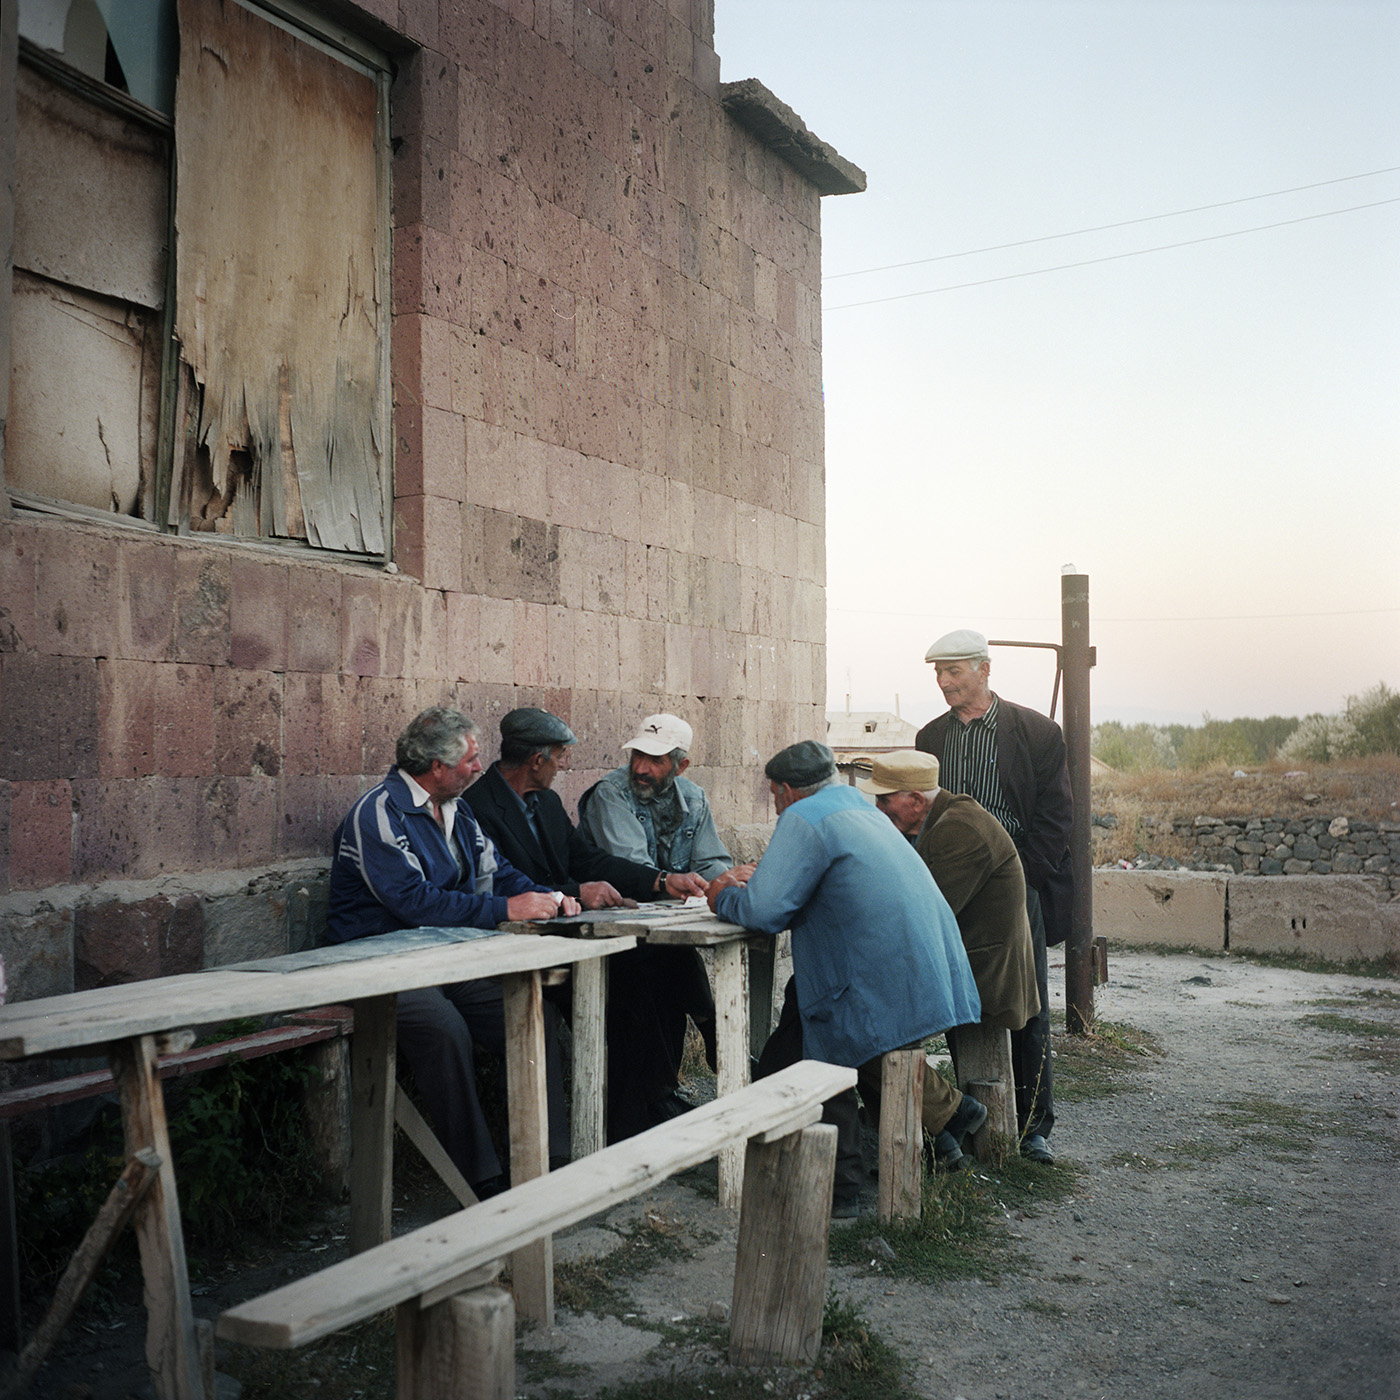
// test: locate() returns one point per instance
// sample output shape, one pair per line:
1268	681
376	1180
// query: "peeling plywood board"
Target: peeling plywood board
280	310
84	397
92	194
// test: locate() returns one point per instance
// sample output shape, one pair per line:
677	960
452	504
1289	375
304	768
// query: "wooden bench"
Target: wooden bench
456	1329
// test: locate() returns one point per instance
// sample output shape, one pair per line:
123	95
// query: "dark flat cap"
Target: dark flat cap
531	726
801	765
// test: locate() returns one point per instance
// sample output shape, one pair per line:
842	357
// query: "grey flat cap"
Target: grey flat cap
962	645
531	726
801	765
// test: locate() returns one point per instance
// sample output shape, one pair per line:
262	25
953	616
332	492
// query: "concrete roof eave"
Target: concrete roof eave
779	128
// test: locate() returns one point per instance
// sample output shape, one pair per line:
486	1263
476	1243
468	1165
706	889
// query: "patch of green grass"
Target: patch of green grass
1259	1110
1102	1062
1066	1278
355	1364
546	1365
1386	967
1379	996
1352	1025
1045	1307
600	1285
961	1232
854	1364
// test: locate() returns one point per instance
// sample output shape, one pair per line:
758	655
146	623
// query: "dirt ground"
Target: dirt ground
1232	1229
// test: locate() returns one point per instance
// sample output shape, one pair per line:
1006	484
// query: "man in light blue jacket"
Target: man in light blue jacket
877	959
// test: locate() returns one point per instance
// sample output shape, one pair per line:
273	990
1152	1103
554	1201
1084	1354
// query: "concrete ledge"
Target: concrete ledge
780	129
1179	908
1324	916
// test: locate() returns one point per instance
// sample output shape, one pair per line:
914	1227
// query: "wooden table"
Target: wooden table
739	1033
132	1023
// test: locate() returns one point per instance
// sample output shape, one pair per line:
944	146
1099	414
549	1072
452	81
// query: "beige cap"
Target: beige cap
962	645
905	771
659	734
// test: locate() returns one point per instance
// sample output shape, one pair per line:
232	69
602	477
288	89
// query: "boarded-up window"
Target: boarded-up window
254	401
85	367
280	309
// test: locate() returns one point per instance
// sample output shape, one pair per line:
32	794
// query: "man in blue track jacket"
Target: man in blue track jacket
877	959
408	855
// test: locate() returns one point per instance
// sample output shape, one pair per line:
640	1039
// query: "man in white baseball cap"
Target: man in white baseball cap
646	811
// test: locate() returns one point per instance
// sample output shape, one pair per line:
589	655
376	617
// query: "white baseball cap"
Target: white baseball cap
659	734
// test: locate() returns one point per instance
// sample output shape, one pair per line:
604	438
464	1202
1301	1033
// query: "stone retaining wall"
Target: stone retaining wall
1256	845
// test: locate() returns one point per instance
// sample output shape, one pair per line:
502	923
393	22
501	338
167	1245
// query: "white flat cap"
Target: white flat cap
961	645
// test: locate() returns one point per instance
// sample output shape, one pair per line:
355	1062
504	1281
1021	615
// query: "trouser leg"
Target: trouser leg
647	987
783	1048
1030	1046
436	1042
940	1099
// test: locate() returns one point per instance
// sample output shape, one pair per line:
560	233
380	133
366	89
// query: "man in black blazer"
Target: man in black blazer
648	988
1012	760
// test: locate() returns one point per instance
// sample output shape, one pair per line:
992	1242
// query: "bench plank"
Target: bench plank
416	1263
103	1014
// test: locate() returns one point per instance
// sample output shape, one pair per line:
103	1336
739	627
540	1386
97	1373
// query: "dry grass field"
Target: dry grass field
1147	803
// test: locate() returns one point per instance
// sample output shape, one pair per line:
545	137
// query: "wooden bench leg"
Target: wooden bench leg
780	1266
372	1090
590	1058
527	1106
984	1071
462	1348
172	1350
900	1195
731	1056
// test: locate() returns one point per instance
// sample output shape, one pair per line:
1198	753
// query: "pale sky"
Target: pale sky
1211	433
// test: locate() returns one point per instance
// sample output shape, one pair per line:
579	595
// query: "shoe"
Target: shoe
947	1154
845	1203
669	1105
971	1114
1034	1148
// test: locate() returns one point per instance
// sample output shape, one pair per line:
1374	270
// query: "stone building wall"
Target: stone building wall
608	499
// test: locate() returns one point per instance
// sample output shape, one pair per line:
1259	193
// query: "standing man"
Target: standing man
409	856
877	961
975	865
1012	761
519	810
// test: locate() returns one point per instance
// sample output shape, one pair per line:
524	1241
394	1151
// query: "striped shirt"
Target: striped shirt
969	765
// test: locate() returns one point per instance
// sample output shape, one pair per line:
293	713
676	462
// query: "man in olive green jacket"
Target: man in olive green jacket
974	863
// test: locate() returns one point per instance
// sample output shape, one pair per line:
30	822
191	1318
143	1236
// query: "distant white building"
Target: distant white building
860	733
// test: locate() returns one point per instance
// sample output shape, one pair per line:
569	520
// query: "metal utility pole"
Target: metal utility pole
1074	659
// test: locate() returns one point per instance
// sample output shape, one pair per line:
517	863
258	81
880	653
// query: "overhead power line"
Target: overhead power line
1223	617
1103	228
1111	257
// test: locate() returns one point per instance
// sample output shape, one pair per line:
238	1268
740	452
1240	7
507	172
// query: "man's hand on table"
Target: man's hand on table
598	894
739	875
525	908
681	884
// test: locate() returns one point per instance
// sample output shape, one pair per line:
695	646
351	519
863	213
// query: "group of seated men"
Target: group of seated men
909	918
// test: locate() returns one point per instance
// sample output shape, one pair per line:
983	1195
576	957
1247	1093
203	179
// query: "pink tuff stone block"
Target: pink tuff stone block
125	719
360	646
248	722
116	943
203	586
48	720
18	550
41	834
301	724
145	601
76	580
111	826
258	615
184	720
313	620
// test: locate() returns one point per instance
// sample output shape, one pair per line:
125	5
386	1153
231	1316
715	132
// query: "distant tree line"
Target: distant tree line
1369	724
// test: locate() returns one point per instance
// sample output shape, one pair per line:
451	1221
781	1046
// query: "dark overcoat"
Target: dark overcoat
1034	774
